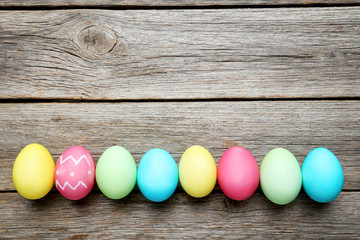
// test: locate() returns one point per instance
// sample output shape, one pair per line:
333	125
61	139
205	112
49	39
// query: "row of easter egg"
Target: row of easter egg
157	175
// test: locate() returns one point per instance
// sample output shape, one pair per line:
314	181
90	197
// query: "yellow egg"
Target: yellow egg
33	172
197	171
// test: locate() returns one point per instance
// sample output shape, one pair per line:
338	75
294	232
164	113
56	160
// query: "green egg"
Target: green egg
116	172
280	176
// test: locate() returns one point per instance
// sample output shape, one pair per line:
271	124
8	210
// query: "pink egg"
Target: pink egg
75	173
238	173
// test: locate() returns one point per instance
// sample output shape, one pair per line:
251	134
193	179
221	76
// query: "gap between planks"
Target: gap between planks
169	5
65	100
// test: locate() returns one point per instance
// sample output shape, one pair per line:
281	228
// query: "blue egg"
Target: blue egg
157	175
323	176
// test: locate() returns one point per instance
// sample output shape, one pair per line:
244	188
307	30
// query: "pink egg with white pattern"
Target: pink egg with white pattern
75	173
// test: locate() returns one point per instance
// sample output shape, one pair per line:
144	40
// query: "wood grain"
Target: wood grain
97	217
180	54
258	126
164	3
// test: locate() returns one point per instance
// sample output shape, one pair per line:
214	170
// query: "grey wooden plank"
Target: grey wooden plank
215	216
258	126
164	3
180	54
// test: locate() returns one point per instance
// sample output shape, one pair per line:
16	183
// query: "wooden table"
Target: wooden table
171	74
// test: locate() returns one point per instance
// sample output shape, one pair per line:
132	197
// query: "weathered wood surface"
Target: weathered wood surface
259	126
180	54
215	216
165	3
213	54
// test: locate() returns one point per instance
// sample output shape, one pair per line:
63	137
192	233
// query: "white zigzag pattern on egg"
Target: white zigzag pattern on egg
68	184
73	159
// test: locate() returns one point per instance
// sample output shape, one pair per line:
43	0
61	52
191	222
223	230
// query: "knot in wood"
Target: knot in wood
96	41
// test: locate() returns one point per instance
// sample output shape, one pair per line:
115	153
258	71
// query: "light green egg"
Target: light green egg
280	176
116	172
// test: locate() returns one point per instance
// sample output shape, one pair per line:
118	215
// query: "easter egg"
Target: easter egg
197	171
323	176
157	175
33	172
280	176
238	173
75	173
116	172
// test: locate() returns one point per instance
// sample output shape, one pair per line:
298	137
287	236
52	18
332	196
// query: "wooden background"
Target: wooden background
171	74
